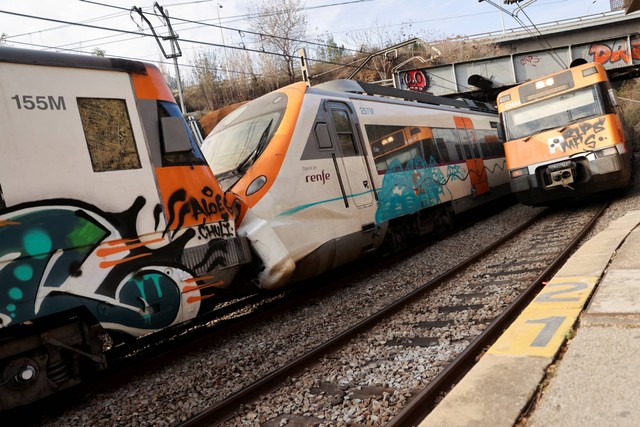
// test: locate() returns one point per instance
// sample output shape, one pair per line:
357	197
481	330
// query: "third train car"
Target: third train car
565	136
324	175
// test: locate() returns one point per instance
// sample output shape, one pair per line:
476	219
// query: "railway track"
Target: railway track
439	333
173	386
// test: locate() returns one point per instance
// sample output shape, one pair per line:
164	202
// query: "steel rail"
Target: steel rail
221	410
420	406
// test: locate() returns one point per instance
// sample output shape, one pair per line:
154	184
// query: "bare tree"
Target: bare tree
282	25
205	80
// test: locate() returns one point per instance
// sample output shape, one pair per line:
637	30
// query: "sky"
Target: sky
347	21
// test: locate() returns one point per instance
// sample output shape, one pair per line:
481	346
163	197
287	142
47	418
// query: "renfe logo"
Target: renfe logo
322	176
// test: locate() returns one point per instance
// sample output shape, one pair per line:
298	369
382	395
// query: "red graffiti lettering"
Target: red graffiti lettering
415	80
635	48
600	53
620	52
530	60
603	53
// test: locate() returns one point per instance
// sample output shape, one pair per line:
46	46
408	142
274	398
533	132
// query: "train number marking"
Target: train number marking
550	296
39	102
551	325
367	111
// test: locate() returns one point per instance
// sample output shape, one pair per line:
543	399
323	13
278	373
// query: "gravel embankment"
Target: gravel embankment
166	395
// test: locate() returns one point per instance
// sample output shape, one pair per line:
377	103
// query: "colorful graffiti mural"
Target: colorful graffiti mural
615	51
419	185
57	256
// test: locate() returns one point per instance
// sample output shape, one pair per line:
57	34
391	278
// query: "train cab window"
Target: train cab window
322	136
108	133
345	132
187	157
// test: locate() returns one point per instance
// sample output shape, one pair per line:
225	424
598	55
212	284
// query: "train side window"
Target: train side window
430	151
442	148
344	131
108	133
322	136
476	150
450	140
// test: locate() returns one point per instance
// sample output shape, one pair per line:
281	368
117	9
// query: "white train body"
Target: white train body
331	173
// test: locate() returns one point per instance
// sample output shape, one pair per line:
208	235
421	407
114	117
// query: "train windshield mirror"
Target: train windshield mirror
552	113
241	143
175	136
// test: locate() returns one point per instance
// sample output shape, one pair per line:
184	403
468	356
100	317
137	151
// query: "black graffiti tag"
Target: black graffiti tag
206	207
582	134
217	230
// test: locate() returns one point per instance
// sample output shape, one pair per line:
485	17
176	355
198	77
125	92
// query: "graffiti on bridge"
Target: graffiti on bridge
615	52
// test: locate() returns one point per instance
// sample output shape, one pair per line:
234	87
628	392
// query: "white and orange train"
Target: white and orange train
323	175
111	222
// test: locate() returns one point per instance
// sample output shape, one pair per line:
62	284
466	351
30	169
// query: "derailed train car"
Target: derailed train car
565	136
111	222
324	175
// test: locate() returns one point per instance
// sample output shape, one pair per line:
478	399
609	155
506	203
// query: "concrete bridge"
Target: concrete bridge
612	39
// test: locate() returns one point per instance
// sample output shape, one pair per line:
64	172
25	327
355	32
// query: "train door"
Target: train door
473	155
351	164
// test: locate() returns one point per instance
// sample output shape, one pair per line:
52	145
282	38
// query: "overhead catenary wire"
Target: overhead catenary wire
139	33
199	42
543	42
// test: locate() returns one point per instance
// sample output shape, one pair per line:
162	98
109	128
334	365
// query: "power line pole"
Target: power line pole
176	52
224	47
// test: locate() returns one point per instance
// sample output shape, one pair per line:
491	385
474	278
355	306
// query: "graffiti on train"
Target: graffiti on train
585	134
205	205
48	253
407	190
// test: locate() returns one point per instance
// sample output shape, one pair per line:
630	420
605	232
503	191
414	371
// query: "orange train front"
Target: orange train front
565	136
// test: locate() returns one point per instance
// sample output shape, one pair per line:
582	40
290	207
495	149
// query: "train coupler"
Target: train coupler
560	174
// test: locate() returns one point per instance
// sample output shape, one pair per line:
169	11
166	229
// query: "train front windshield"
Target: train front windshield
232	149
553	113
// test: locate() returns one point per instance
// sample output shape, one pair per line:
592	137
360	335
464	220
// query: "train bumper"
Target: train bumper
572	178
278	266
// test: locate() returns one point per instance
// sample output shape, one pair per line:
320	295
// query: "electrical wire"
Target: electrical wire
259	51
525	27
199	42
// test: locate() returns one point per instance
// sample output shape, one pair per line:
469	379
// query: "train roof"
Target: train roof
56	59
364	88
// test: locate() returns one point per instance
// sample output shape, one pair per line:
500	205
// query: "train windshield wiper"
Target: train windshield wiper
539	132
252	156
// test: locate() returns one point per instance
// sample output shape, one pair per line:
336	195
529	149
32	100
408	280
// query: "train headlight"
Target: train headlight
256	185
609	151
519	172
236	208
